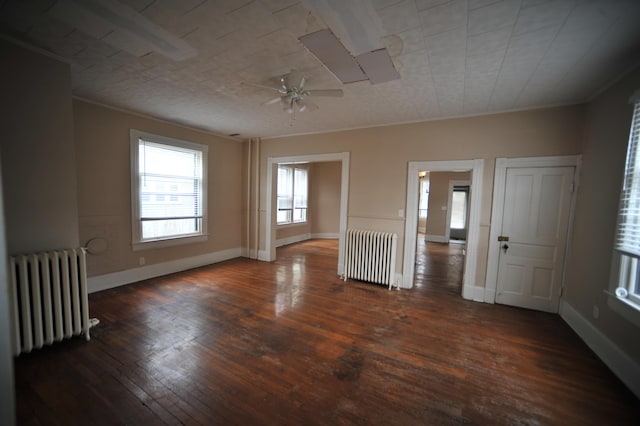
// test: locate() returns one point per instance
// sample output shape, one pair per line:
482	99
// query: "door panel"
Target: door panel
535	219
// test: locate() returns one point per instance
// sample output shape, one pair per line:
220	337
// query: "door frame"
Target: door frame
497	210
411	223
269	254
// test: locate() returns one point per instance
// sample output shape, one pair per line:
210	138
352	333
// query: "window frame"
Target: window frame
136	224
624	289
292	172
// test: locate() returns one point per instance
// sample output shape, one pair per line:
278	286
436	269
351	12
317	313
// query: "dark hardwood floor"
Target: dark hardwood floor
288	342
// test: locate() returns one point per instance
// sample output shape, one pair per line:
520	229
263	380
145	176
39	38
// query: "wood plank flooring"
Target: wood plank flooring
289	343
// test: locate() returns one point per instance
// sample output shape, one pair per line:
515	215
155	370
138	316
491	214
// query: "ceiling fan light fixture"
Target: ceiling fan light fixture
301	105
293	95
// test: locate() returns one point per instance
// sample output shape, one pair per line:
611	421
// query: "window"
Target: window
168	181
627	241
292	194
423	203
459	208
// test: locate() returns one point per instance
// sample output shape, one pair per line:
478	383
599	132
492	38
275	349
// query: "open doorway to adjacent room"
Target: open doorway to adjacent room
307	204
443	216
443	199
294	208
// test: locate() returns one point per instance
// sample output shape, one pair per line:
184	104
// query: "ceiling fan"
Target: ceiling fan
293	94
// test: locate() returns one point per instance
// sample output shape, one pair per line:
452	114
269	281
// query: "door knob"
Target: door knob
505	247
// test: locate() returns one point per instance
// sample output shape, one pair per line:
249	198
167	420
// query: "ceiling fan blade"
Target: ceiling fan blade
272	101
337	93
259	86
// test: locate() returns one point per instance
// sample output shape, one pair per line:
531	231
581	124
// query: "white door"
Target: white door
534	236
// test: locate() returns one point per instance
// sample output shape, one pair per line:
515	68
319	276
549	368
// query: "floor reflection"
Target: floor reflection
439	266
290	283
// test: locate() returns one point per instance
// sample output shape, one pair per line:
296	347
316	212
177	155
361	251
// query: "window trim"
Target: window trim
136	224
621	298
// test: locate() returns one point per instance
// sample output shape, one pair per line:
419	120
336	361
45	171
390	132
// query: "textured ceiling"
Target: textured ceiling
459	57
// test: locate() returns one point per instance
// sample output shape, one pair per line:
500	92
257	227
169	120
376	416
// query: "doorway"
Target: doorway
475	167
442	225
269	253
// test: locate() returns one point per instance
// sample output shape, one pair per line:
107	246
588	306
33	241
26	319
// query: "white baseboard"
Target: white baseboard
325	236
436	238
262	255
473	292
399	281
489	295
249	253
293	239
622	365
116	279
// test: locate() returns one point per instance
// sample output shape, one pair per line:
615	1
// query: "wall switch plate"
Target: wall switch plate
400	212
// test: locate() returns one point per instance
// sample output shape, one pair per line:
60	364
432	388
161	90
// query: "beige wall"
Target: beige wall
379	159
324	198
38	157
439	198
104	188
607	133
294	230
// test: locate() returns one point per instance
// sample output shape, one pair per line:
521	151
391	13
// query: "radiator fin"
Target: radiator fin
50	298
370	256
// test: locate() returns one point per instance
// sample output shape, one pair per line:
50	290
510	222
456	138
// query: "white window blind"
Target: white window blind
300	195
628	230
168	179
285	195
423	203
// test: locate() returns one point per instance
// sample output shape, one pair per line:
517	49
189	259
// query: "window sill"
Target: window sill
169	242
291	225
625	307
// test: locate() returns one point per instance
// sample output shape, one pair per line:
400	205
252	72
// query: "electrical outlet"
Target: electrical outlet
141	260
596	311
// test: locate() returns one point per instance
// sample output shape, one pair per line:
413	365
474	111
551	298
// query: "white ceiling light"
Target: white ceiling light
121	27
377	65
352	49
328	49
356	23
